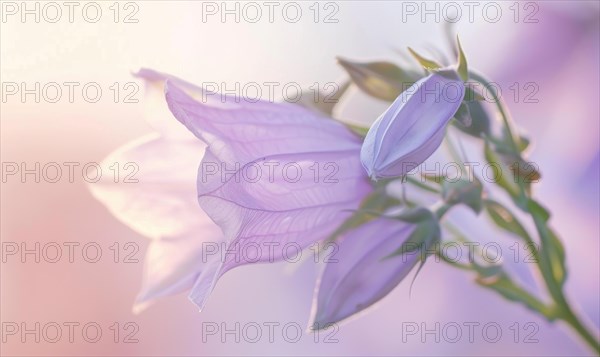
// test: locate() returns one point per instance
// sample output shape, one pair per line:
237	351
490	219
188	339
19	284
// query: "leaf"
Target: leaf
465	192
382	80
422	237
415	215
503	285
505	219
428	64
463	70
551	246
558	253
375	203
538	210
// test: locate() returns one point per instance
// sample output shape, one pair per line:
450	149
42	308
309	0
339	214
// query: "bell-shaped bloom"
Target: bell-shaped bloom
413	127
310	180
155	195
275	177
363	270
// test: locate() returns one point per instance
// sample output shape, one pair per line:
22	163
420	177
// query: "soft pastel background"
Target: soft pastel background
560	53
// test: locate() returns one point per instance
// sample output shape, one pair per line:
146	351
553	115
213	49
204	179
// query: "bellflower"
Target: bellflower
261	213
413	127
155	196
273	175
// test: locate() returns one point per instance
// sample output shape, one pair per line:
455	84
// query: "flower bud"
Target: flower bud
413	127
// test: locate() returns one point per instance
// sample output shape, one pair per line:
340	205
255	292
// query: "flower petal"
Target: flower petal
155	189
160	203
172	265
273	175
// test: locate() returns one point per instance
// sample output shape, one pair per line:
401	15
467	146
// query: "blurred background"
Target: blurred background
544	55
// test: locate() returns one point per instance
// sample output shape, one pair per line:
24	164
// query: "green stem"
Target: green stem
440	209
502	109
422	185
544	261
563	308
569	317
524	296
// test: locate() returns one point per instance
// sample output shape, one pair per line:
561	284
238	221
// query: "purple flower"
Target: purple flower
273	176
413	127
159	199
363	270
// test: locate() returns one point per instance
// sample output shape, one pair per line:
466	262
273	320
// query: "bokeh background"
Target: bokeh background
559	53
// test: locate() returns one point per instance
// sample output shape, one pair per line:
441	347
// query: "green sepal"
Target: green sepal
371	207
463	115
462	69
469	193
428	64
480	120
422	238
382	80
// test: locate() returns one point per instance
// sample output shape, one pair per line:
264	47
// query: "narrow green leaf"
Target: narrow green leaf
504	286
558	253
538	210
428	64
551	246
505	219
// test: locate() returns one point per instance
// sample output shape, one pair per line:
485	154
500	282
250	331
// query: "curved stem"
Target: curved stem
502	109
544	262
517	292
572	319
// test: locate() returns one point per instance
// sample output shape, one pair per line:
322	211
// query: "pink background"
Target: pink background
559	53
